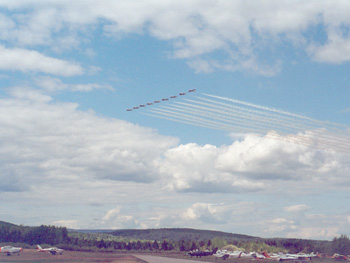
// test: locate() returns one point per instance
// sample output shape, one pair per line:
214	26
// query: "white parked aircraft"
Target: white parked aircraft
11	250
52	250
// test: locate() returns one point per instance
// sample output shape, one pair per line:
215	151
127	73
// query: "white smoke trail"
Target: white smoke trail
236	116
280	123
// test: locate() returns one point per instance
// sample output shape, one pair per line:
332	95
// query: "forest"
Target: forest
160	240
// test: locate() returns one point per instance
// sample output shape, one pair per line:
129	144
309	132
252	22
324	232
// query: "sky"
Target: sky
261	147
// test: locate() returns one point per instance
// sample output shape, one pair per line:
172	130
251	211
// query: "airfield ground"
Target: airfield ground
32	256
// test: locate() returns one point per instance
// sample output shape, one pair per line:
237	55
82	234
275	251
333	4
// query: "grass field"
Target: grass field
31	255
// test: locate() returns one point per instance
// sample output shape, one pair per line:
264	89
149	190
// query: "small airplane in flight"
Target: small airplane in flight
11	250
52	250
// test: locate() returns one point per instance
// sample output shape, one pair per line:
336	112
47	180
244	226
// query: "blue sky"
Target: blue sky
72	155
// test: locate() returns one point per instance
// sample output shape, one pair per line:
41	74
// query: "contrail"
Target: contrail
275	110
280	123
220	113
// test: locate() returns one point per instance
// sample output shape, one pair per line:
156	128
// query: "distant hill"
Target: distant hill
178	234
6	224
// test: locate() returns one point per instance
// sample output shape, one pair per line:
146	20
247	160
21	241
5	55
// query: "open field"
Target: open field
32	256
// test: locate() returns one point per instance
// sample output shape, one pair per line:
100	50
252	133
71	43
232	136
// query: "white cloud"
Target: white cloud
72	224
57	142
253	164
239	29
111	213
50	84
297	208
336	51
320	232
32	61
116	219
212	214
281	221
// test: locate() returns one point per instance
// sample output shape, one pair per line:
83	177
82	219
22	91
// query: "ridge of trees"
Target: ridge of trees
177	234
165	239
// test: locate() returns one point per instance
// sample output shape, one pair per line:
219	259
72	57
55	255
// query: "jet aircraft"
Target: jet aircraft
52	250
11	250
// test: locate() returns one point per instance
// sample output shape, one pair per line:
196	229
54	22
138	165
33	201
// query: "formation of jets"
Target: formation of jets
52	250
11	250
158	101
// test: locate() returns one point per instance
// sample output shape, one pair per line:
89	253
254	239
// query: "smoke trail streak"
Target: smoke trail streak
290	127
292	122
301	139
226	114
277	111
194	121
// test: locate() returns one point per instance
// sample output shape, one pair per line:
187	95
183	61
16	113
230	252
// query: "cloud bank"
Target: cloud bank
235	32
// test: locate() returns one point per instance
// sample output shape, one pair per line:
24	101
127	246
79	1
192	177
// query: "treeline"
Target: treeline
110	245
176	234
33	235
59	236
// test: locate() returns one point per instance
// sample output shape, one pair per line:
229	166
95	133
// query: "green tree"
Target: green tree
341	245
155	245
193	246
165	245
209	243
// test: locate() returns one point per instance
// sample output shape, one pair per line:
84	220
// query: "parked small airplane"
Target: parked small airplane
173	97
52	250
11	250
156	101
192	90
182	93
165	99
198	253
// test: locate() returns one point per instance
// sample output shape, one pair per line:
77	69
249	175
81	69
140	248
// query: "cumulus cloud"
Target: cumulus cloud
297	208
72	224
44	137
320	232
195	28
111	213
254	164
61	142
116	219
32	61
